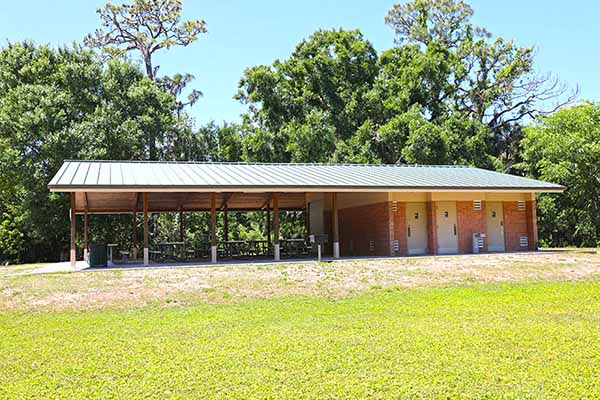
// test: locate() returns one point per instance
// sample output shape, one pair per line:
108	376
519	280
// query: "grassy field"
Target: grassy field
500	327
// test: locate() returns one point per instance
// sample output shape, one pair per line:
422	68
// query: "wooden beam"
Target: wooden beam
134	200
213	227
73	250
336	228
226	198
267	202
146	250
276	225
86	227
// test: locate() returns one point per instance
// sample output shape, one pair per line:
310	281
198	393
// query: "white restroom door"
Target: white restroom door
446	227
495	226
416	225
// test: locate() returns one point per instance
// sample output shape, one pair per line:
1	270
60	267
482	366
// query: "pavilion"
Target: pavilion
378	210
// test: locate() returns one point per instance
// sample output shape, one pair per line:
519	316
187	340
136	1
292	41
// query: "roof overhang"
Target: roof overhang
296	189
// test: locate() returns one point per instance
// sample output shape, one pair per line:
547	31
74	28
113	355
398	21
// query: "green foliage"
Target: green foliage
321	86
518	341
565	148
146	26
65	104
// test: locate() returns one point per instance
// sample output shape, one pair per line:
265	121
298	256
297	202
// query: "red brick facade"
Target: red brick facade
399	228
532	229
365	230
520	223
469	221
432	242
373	229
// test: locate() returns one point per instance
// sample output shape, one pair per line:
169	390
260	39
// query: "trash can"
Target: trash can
97	255
478	239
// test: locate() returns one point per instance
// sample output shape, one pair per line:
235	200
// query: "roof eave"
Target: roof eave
296	188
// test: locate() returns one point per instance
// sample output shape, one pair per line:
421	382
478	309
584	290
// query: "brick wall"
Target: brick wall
362	224
399	228
432	243
532	229
469	221
515	225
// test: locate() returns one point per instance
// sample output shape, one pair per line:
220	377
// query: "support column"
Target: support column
73	252
134	228
532	228
213	227
225	224
335	226
268	224
306	215
432	243
276	226
146	250
86	229
181	224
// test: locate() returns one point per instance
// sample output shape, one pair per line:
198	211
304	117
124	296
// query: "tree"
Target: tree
65	104
327	77
148	26
565	148
490	80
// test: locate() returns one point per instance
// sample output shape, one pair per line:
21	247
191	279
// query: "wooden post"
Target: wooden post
134	220
134	228
306	215
225	224
86	228
146	250
73	253
276	226
268	224
213	227
335	227
181	224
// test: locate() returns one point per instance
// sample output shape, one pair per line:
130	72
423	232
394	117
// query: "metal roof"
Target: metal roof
194	176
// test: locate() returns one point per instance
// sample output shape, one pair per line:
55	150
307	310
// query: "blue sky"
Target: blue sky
247	33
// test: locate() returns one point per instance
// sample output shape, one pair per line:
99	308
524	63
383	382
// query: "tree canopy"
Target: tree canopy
565	148
448	92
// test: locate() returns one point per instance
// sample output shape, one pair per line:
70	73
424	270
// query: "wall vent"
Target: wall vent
477	205
521	205
524	241
371	245
396	246
394	206
480	242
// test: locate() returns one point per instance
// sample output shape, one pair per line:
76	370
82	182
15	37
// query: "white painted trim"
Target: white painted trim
336	249
284	189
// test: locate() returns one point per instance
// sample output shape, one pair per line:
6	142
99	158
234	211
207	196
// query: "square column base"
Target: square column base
213	254
146	257
276	252
336	249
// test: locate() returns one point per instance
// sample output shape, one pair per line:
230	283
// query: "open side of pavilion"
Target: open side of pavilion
365	210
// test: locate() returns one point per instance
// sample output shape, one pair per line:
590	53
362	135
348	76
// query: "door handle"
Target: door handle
454	229
409	234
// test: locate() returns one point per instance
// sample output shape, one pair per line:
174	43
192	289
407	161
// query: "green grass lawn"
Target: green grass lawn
535	340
